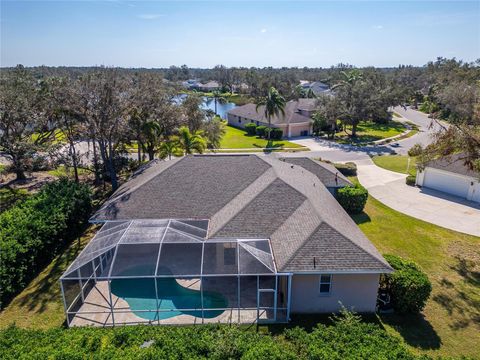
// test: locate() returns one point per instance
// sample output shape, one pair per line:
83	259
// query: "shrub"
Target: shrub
276	133
251	129
352	199
261	130
346	338
415	150
33	231
409	286
411	180
347	169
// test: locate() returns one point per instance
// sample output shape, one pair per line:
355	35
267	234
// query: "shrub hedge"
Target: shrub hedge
33	231
346	338
408	286
352	199
251	129
411	180
347	169
276	133
261	130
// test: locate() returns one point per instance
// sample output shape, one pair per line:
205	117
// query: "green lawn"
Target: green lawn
369	131
239	139
397	163
450	324
68	172
40	305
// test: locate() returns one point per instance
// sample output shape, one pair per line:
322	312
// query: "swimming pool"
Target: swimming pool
140	295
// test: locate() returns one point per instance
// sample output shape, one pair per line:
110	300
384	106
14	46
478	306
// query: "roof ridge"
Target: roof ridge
263	181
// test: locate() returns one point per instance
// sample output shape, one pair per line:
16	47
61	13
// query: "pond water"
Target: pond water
209	103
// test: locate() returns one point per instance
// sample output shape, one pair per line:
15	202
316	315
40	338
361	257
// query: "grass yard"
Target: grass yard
238	139
40	305
369	131
450	324
397	163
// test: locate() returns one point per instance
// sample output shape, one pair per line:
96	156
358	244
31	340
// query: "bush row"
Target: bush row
262	131
346	338
33	231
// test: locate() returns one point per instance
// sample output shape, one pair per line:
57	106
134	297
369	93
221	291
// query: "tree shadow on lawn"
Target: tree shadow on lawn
361	218
414	329
460	301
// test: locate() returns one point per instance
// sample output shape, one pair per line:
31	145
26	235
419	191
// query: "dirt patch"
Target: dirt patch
32	183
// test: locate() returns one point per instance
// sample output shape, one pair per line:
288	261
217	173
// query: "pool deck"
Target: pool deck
96	311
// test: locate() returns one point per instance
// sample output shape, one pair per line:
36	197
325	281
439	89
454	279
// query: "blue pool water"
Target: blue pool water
140	295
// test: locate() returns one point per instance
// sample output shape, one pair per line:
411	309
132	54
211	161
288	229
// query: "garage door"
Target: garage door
449	183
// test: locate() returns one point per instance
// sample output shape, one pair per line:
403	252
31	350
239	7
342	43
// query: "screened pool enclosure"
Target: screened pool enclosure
167	272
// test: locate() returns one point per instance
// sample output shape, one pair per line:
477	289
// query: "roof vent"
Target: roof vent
291	166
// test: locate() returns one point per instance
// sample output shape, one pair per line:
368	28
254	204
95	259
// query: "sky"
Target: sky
237	33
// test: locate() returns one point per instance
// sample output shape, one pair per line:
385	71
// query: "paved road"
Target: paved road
390	188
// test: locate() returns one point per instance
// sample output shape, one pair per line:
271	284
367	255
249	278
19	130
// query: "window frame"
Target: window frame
320	283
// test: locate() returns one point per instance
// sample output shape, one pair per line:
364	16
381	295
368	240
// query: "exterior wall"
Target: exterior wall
354	291
295	129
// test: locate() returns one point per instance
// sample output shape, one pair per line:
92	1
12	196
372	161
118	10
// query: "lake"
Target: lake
209	103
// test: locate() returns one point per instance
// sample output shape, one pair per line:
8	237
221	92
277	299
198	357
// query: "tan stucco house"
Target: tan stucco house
223	238
296	121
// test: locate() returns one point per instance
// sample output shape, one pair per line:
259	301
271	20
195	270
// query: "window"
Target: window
325	284
239	119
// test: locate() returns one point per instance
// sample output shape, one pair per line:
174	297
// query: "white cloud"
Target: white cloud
378	27
149	16
263	31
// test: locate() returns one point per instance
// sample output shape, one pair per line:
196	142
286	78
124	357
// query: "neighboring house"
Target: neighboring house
450	175
316	86
222	238
209	86
296	121
327	173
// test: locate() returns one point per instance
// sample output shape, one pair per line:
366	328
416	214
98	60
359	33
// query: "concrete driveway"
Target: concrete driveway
425	204
389	187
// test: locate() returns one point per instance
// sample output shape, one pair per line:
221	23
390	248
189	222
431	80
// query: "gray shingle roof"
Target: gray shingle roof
249	111
453	163
326	173
252	196
194	187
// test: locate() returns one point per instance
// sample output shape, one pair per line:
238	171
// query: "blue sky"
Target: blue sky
237	33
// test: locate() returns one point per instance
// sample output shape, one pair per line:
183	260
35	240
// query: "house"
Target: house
317	87
327	173
450	175
296	121
222	238
209	86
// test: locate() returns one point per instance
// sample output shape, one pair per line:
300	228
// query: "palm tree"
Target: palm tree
218	97
191	142
170	148
309	94
274	104
152	132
